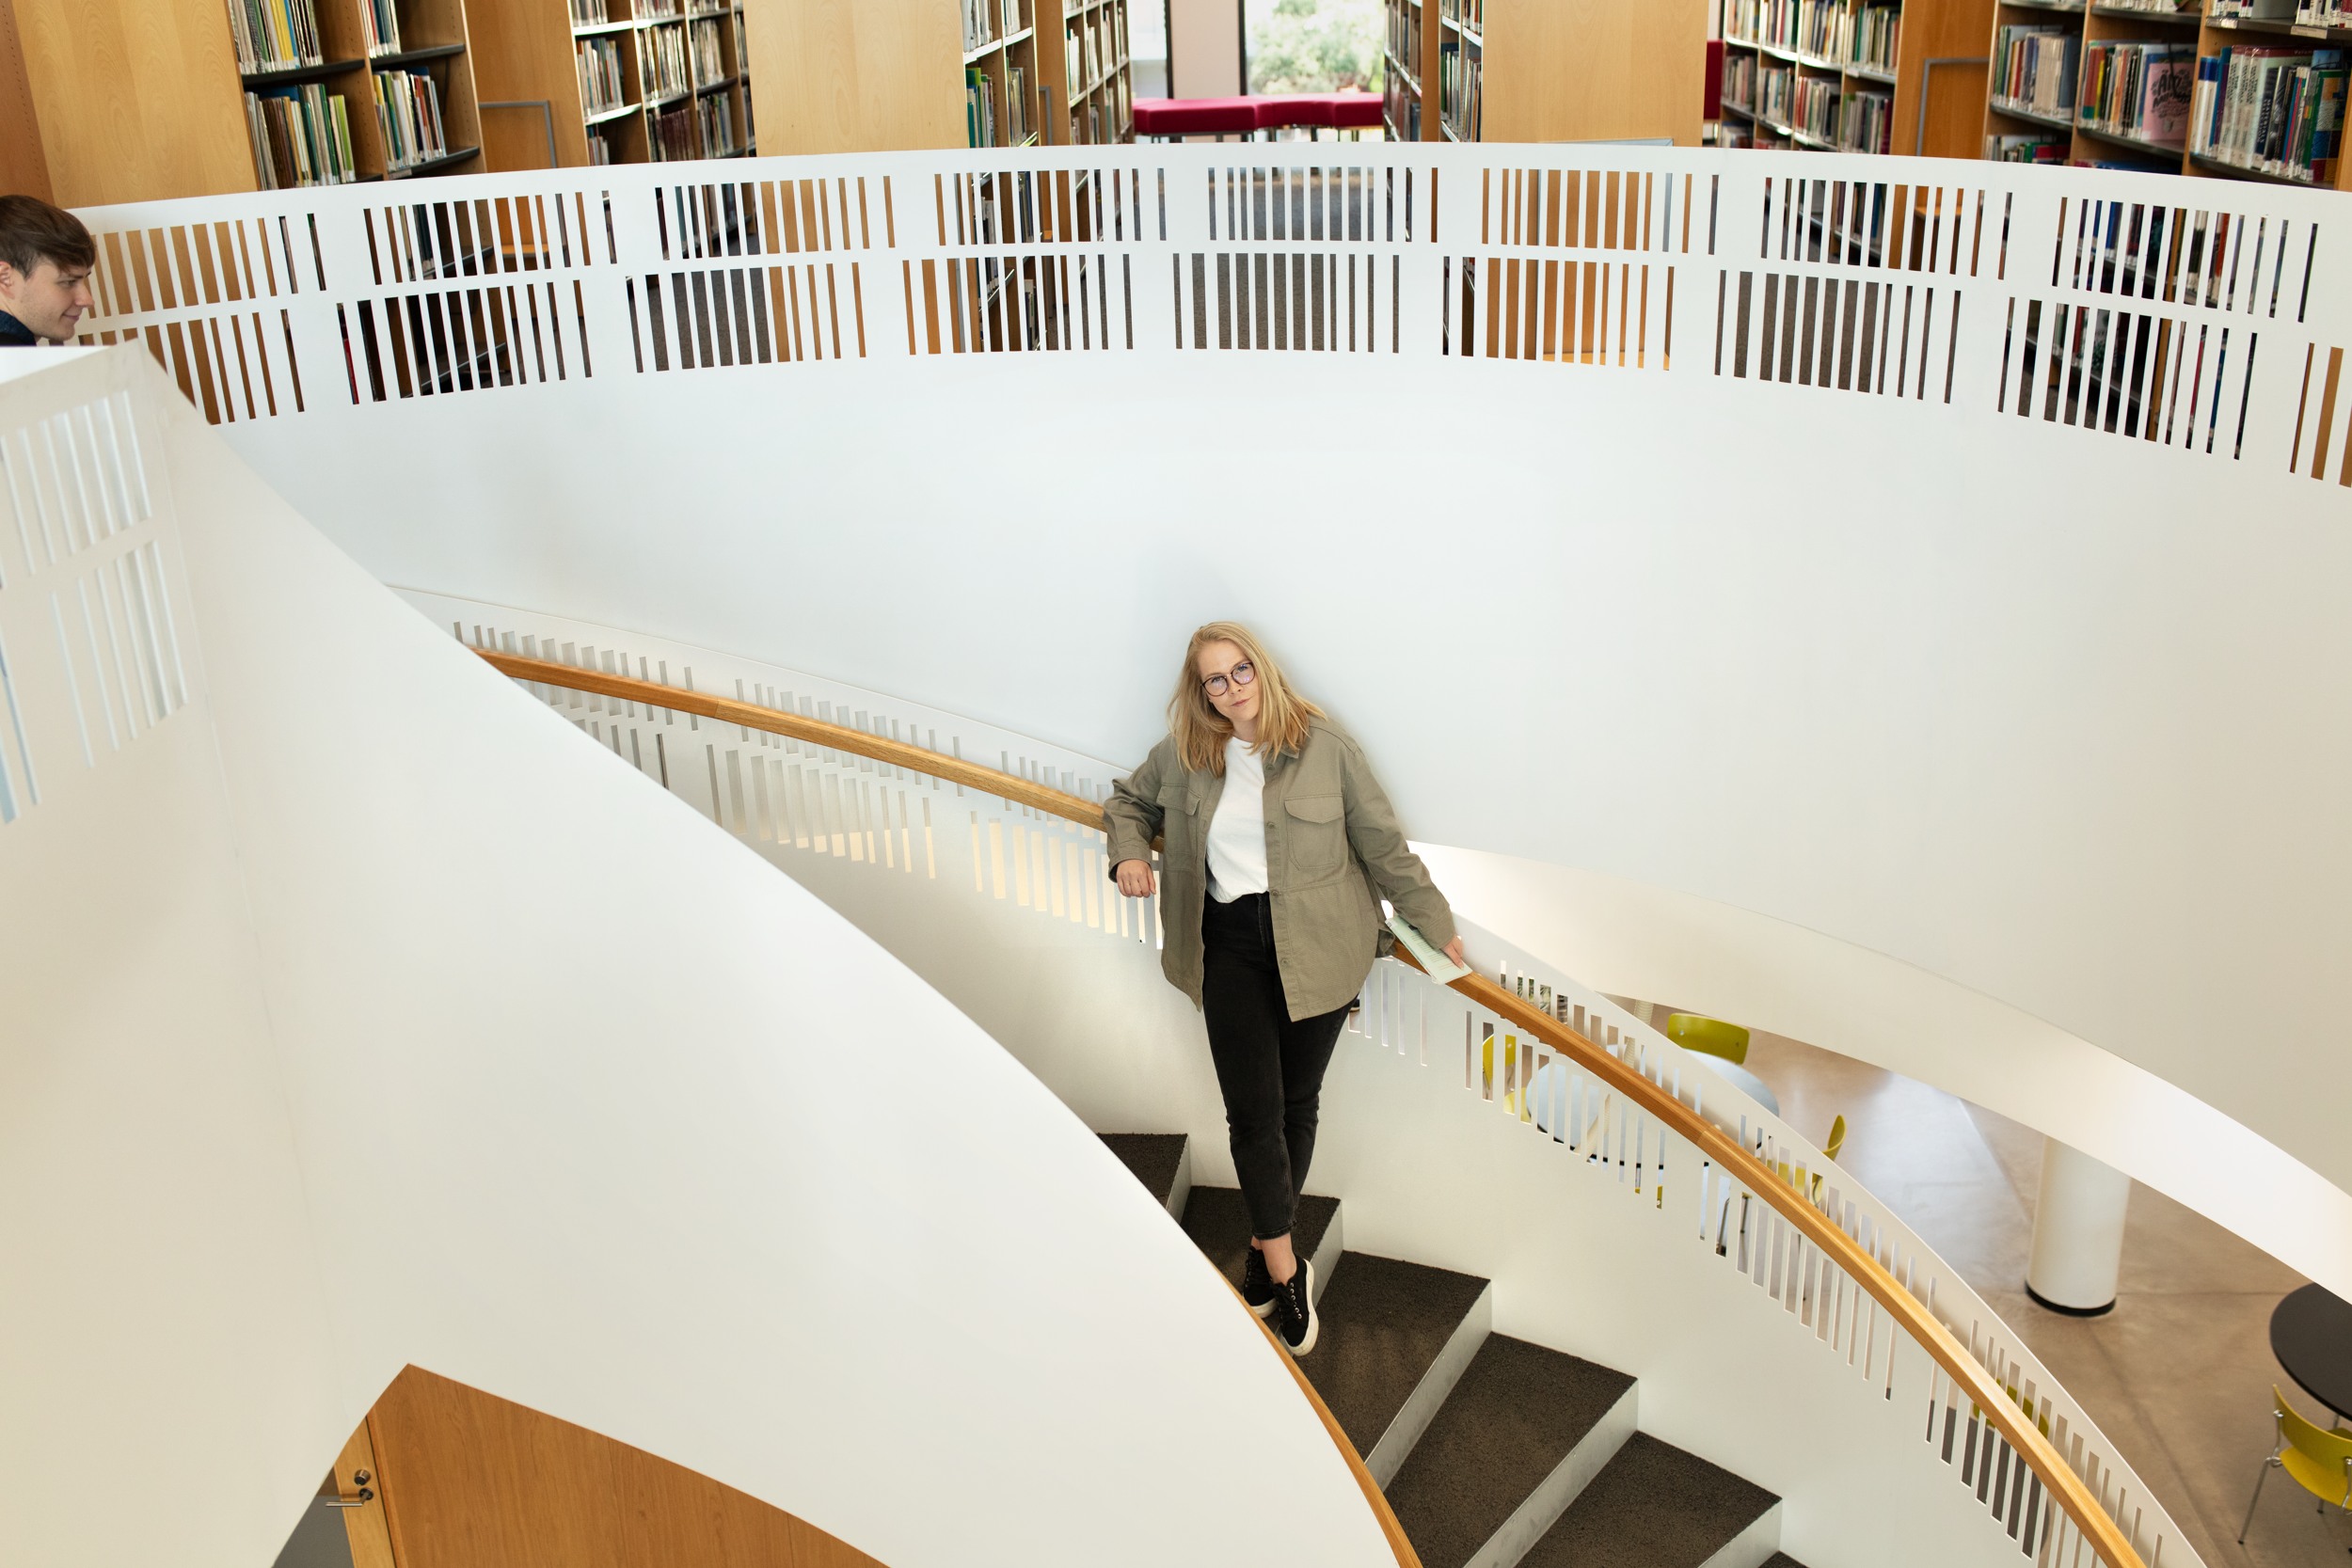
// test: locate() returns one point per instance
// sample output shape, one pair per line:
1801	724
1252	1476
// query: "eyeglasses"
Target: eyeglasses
1242	674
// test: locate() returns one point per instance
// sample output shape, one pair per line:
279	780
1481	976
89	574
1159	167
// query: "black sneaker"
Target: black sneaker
1295	1317
1257	1286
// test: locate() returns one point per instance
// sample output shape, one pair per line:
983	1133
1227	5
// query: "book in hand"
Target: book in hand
1442	969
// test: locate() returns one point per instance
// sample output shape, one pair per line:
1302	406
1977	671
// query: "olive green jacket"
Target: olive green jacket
1334	851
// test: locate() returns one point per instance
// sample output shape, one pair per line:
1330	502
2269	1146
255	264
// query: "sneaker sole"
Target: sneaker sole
1314	1318
1264	1310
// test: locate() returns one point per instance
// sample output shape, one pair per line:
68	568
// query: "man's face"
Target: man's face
50	302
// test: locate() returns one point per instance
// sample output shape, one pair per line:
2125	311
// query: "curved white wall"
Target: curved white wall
358	1017
2055	714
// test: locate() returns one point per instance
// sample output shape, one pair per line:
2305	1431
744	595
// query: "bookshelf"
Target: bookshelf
1851	76
1561	69
625	80
139	99
2202	31
879	75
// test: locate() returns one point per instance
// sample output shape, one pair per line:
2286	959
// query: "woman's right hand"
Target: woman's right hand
1135	878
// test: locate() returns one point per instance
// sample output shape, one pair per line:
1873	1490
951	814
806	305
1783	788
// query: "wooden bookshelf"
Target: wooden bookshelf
878	75
141	100
683	81
1851	76
2090	22
1563	70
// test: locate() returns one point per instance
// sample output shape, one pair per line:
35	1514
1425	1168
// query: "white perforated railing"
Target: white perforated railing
2206	316
1736	1199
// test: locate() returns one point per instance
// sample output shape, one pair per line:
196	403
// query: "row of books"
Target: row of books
2138	89
714	118
1822	28
1087	50
659	11
2039	148
1878	31
301	136
1400	114
599	150
594	13
661	62
274	34
676	136
1740	81
2281	111
986	21
706	42
1461	88
2303	13
981	122
2036	66
1865	123
409	108
2159	8
1806	103
1464	13
603	89
1405	37
380	21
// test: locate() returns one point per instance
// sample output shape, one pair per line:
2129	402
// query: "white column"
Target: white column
1204	49
2078	1231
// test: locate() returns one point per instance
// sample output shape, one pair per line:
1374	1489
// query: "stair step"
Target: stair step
1157	1160
1219	1225
1519	1412
1655	1506
1781	1560
1386	1324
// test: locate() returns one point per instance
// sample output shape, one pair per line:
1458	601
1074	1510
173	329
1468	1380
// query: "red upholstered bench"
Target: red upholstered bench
1196	117
1225	116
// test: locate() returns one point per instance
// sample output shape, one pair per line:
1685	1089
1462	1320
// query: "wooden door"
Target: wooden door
465	1480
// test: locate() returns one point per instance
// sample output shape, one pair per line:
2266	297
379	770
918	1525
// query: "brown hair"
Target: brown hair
1201	732
32	232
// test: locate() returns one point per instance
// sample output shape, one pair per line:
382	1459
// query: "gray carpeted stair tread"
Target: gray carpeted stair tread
1219	1226
1384	1322
1514	1416
1154	1157
1652	1506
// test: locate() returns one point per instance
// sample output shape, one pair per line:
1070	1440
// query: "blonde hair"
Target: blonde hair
1201	732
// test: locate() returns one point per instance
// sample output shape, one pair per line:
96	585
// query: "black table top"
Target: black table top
2310	1334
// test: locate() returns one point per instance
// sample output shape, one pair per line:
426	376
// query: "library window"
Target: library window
1313	45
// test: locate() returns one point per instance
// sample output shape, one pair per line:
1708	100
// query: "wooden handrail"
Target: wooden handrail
2072	1495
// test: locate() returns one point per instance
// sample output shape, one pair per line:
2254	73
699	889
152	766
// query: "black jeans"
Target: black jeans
1269	1068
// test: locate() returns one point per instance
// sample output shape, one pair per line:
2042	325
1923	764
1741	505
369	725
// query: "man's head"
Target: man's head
45	260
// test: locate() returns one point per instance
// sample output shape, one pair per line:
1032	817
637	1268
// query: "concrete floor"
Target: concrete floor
2178	1376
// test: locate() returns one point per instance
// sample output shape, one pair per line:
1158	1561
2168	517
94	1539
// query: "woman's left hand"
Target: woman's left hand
1453	950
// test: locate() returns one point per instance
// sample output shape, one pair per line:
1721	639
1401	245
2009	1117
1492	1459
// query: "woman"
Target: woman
1279	845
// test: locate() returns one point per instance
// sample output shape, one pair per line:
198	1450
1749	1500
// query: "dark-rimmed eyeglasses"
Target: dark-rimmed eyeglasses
1241	674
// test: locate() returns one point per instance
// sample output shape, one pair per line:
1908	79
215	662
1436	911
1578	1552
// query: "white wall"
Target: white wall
2052	714
1204	48
360	1017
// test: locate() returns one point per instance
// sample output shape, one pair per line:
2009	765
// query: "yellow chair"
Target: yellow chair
2320	1461
1829	1151
1709	1036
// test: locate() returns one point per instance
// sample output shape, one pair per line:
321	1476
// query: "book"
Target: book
1442	969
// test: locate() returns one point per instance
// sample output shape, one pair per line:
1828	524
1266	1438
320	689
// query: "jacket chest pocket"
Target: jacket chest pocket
1317	835
1179	824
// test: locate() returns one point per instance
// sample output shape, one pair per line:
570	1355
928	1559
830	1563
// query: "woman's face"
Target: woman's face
1239	700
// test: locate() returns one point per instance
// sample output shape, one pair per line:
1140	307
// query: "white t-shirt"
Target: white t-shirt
1237	832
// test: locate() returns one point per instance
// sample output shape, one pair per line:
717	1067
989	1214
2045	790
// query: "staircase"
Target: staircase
1492	1451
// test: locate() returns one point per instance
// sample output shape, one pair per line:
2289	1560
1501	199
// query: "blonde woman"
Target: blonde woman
1278	846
